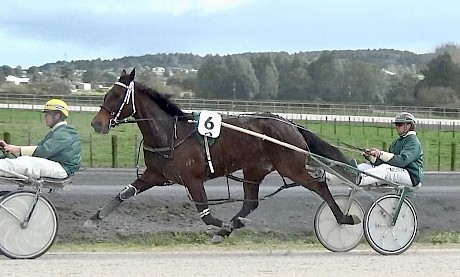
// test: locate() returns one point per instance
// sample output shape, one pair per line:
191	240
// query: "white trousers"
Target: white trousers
32	167
384	171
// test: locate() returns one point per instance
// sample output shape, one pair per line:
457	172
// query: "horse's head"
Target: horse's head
118	104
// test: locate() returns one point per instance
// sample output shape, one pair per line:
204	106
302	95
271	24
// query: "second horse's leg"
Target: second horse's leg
251	184
251	193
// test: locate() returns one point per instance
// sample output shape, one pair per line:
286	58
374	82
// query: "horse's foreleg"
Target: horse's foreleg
198	195
126	193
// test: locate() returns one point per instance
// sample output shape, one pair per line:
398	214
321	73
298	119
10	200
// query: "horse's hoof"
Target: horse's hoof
91	223
217	239
243	220
356	219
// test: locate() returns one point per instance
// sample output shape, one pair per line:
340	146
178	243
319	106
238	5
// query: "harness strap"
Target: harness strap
166	148
208	154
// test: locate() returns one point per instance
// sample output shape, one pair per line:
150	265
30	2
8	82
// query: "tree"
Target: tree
7	70
149	78
295	82
242	77
211	77
91	75
440	72
59	87
186	81
326	77
438	96
268	77
401	91
362	82
452	49
67	71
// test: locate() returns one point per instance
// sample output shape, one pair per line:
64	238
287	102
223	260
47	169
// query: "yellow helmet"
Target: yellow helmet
57	105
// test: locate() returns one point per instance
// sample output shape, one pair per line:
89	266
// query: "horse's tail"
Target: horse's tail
320	147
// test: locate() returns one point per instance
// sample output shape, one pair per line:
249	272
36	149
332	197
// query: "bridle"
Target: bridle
129	94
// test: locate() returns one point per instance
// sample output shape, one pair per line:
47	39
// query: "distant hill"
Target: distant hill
382	58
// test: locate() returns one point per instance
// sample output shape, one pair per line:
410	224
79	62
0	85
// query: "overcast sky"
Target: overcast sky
35	32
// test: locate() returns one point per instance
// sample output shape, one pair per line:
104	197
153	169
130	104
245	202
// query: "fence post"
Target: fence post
439	155
452	157
7	137
384	146
114	151
335	126
90	150
349	125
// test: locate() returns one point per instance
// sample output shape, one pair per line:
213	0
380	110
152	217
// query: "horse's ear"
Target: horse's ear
133	72
123	72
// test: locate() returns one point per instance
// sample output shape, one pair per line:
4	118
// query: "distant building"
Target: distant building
16	80
81	86
388	72
159	70
186	94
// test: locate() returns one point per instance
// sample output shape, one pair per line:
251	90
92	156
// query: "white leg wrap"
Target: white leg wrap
204	213
127	192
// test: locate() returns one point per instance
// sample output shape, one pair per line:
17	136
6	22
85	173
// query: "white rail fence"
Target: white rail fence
293	116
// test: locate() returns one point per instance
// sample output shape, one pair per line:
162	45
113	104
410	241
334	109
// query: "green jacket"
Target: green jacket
408	154
63	145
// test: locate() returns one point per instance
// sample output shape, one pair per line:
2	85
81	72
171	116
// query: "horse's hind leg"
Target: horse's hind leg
300	175
321	188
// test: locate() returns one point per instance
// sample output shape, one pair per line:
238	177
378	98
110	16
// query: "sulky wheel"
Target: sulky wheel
31	240
334	236
382	235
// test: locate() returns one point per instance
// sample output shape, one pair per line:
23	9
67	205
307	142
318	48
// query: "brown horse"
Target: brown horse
173	153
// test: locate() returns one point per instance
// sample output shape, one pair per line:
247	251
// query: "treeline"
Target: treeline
363	76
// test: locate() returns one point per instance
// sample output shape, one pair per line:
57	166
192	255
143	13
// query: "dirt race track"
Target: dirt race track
289	213
168	209
211	262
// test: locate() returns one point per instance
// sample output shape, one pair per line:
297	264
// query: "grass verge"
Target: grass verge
245	239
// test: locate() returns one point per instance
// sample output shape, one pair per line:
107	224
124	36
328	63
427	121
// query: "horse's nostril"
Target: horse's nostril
97	125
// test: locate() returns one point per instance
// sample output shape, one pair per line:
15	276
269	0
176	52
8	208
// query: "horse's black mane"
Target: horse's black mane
163	102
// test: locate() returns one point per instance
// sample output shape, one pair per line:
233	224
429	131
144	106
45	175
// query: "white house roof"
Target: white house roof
16	80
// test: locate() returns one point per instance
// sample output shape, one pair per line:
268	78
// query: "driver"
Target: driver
403	163
58	155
